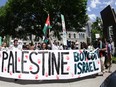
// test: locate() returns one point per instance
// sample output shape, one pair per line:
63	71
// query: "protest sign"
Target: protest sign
64	30
48	64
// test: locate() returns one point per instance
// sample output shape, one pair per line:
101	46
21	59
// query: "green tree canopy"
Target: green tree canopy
31	15
96	28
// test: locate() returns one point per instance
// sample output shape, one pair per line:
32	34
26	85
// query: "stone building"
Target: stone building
71	36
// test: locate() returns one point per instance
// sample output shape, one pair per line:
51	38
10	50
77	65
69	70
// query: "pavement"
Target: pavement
89	81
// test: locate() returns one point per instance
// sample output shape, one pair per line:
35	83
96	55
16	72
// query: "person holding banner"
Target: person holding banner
15	46
54	45
90	47
31	46
102	54
44	46
4	46
109	56
61	47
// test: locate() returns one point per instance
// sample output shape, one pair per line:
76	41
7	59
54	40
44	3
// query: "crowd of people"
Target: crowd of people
105	53
105	48
55	45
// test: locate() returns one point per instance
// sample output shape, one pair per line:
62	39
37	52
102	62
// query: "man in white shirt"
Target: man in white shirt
15	46
54	46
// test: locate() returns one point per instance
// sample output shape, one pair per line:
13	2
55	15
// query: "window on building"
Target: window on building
83	35
69	35
74	35
80	35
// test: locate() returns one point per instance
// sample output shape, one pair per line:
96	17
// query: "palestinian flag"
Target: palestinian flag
47	25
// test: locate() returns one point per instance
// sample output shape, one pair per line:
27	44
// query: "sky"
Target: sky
94	7
3	2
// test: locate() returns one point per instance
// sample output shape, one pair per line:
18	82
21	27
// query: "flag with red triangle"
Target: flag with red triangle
47	25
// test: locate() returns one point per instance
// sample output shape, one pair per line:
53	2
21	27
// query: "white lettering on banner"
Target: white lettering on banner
49	64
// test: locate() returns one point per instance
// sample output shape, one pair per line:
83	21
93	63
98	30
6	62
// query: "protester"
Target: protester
113	50
15	46
31	46
76	45
24	46
61	47
4	46
105	49
27	47
72	45
90	47
65	47
54	45
83	45
35	46
102	54
95	44
20	45
109	56
44	46
38	46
